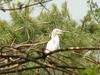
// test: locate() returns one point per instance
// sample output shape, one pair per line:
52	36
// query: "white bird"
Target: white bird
53	44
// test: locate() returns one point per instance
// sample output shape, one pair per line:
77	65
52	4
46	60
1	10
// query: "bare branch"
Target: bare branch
26	6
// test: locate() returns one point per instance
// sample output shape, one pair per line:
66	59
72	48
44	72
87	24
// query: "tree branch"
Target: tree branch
26	6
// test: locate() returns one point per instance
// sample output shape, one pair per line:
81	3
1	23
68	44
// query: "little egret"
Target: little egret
53	43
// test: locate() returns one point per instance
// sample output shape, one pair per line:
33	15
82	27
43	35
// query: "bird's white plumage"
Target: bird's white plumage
53	44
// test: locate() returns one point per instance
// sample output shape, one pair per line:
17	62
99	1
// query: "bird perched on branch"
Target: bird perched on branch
54	43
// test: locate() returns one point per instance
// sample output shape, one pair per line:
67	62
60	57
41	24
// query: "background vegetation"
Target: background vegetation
23	39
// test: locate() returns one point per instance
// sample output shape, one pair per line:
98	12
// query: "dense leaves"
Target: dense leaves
24	28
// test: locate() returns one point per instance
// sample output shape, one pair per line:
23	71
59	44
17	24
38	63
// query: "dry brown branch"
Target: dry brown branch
26	6
42	64
28	45
19	70
10	67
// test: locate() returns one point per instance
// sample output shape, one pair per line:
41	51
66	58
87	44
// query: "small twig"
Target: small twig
13	42
44	7
26	6
28	45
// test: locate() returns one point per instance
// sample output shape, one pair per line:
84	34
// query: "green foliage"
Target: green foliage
25	28
93	28
64	9
97	11
88	16
5	36
93	70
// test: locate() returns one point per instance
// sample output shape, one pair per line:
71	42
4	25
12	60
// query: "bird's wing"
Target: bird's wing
52	45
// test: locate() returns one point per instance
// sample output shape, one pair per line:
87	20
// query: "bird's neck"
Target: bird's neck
53	35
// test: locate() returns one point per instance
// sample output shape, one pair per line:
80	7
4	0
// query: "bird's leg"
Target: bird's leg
44	54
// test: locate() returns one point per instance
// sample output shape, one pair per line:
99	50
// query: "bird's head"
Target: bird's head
57	32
